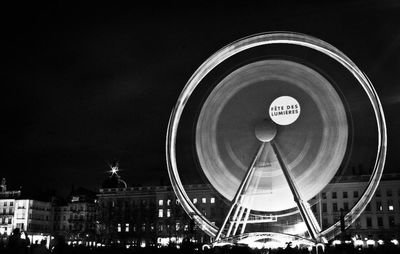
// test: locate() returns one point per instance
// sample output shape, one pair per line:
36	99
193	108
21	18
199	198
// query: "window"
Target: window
345	194
346	206
195	201
334	207
378	193
168	213
119	227
5	203
323	195
168	202
143	227
324	208
334	196
368	207
389	193
390	205
369	222
204	200
177	226
355	194
126	227
324	222
380	221
160	213
160	202
391	221
212	200
379	206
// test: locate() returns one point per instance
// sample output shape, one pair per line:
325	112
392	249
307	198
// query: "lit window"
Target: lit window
168	213
160	202
203	200
177	202
212	200
195	201
177	226
127	227
390	205
168	202
119	227
160	213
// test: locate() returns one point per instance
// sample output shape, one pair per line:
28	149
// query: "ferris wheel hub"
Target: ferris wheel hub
265	131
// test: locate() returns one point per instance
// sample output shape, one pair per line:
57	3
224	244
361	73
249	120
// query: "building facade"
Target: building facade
152	216
381	218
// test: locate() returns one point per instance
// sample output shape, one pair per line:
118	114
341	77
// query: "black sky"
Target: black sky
93	83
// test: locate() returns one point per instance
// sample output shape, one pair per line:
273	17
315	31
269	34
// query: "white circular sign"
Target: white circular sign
284	110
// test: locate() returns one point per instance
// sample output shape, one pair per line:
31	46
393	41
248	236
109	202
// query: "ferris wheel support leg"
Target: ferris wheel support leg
239	218
245	221
243	186
305	211
235	215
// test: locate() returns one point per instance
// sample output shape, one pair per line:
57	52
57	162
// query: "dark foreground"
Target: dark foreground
389	249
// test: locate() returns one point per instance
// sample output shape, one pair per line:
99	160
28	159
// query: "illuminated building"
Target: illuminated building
379	221
150	216
33	216
142	216
7	205
76	219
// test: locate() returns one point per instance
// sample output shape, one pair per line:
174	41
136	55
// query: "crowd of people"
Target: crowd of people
19	243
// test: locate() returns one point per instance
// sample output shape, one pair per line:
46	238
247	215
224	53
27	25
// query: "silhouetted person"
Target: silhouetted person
41	248
60	247
16	244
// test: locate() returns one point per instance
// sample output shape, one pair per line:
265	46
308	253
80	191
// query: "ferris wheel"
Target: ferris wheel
273	126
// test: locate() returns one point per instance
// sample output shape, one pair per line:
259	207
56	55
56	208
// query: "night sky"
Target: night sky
96	83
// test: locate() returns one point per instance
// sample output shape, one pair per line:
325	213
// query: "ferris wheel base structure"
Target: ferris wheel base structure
268	240
271	132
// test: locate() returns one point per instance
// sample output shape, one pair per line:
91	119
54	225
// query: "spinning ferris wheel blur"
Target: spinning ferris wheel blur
273	127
